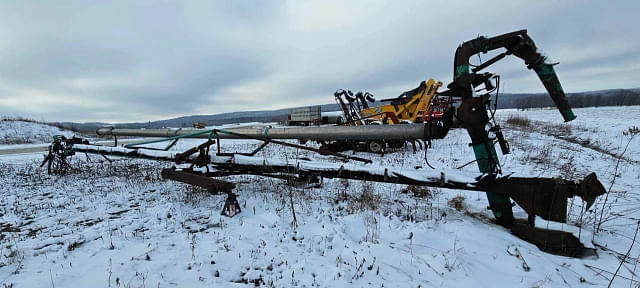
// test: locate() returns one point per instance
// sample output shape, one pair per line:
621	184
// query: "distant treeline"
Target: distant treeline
273	118
577	100
610	97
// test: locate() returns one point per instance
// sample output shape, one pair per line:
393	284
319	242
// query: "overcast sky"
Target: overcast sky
147	60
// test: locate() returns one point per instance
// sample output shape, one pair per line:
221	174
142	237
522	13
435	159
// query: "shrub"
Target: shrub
519	121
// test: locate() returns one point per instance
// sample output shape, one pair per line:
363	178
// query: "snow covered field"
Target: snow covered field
18	133
601	126
120	225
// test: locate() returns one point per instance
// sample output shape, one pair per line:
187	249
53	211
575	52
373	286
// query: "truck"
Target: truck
305	116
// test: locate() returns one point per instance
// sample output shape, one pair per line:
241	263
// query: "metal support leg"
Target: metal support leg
231	205
499	204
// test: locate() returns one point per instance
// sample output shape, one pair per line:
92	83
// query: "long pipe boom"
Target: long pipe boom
369	132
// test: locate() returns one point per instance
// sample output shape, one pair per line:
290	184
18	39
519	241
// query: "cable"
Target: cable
495	103
469	163
426	160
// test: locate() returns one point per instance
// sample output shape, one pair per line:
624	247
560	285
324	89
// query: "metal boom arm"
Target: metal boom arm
472	113
516	43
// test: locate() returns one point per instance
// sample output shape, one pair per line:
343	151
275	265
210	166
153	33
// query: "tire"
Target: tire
376	146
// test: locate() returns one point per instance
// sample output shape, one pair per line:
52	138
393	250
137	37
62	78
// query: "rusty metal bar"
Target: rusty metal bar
545	197
182	157
214	186
540	196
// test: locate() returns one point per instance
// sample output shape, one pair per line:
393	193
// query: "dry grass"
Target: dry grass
15	140
519	121
457	202
366	200
417	191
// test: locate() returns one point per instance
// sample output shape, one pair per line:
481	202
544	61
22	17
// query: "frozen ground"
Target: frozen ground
599	126
14	133
119	225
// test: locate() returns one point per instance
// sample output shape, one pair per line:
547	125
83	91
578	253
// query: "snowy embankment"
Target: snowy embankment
119	225
599	127
17	133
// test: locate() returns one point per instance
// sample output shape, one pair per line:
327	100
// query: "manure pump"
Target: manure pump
206	164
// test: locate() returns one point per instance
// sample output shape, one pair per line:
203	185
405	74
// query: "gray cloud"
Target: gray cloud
122	61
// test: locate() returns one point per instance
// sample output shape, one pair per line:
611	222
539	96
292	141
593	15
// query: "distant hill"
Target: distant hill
610	97
28	131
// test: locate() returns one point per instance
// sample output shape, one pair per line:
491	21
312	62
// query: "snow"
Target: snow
601	126
119	225
14	134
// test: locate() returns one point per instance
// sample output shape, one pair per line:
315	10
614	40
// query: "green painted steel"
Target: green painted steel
547	69
500	204
462	69
568	115
486	164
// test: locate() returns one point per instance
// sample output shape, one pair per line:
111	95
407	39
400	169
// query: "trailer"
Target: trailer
305	116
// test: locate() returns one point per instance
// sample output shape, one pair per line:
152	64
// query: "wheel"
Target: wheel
376	146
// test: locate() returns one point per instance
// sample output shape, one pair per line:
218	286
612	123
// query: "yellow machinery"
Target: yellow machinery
199	125
410	107
413	106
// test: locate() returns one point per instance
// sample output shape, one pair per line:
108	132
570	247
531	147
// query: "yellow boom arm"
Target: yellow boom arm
410	106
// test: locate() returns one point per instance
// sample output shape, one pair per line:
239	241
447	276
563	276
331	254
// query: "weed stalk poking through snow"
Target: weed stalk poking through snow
630	133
